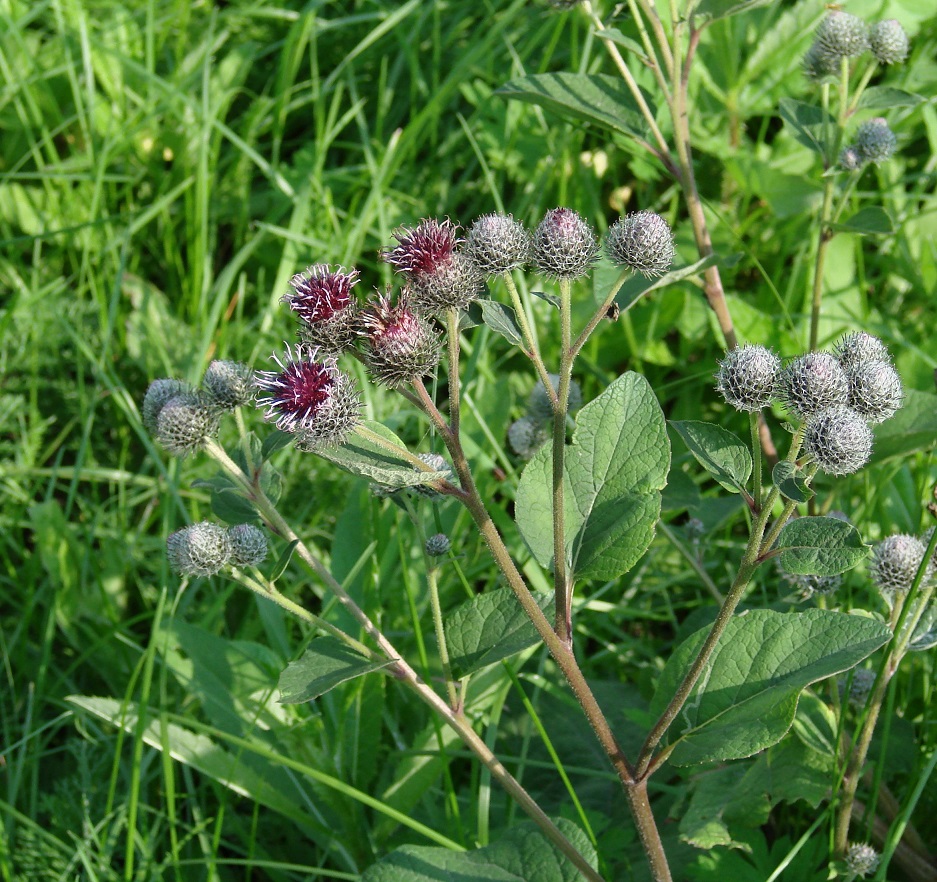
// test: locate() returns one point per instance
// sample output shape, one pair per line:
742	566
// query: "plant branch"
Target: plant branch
562	578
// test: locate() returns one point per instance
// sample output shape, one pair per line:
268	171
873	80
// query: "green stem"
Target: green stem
533	352
562	578
379	440
433	585
452	348
756	459
399	668
599	314
653	61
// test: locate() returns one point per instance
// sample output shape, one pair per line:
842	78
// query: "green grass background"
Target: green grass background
165	167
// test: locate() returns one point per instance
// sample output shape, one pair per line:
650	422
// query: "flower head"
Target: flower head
186	422
539	406
498	244
861	858
228	384
819	63
748	377
526	435
838	439
888	41
875	141
842	34
248	545
811	383
310	398
440	276
324	300
564	245
438	545
400	344
157	395
859	347
895	562
875	390
643	242
198	550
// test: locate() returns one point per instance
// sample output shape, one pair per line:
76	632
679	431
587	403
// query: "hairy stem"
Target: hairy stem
562	579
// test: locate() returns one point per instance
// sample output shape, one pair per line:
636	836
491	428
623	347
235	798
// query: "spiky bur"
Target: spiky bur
849	159
862	859
497	244
400	345
439	275
888	41
526	435
811	585
843	35
438	545
895	562
437	463
642	241
858	348
564	245
838	439
186	422
819	64
324	301
875	141
158	394
228	384
198	550
748	377
248	545
539	408
309	397
875	390
811	383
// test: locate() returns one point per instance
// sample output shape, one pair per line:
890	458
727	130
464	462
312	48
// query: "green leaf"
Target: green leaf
806	122
325	663
595	98
870	221
636	286
229	506
488	628
820	547
275	441
283	561
815	725
552	299
613	35
886	97
522	853
790	483
374	462
502	320
746	699
614	472
925	634
716	9
913	428
722	454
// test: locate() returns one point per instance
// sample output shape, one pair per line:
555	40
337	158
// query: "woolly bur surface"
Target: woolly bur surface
747	696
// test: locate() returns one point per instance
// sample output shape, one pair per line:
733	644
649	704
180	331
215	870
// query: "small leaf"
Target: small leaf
325	663
488	628
613	35
502	320
820	547
790	483
869	221
636	286
747	697
275	441
595	98
283	561
886	97
229	506
522	853
552	299
370	460
807	122
913	428
614	472
722	454
925	634
815	724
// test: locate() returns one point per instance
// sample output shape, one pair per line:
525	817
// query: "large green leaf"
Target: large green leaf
325	663
746	699
596	98
615	470
914	427
488	628
720	452
523	853
872	220
369	460
820	546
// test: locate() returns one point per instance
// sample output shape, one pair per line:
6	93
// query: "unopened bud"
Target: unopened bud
838	439
748	377
811	383
157	395
859	347
862	859
888	41
401	344
185	423
228	384
198	550
564	245
875	141
896	561
526	435
438	545
843	34
498	244
642	241
875	390
248	545
539	407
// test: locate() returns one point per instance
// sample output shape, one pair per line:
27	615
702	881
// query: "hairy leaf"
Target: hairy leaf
820	546
325	663
721	453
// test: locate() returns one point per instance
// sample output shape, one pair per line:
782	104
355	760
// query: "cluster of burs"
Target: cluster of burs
840	38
